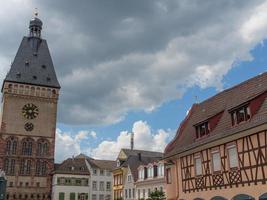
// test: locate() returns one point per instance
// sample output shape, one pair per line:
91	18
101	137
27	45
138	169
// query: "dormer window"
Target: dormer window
202	129
141	173
150	172
240	115
118	163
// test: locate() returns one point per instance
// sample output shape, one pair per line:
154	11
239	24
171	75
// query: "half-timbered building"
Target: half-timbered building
220	149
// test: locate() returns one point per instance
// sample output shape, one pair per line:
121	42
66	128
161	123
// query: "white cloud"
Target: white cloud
139	60
93	134
81	135
143	139
68	145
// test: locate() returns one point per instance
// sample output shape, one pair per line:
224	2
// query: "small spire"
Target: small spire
35	25
132	141
35	12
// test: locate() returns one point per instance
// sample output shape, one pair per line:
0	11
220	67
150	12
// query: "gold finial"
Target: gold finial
36	12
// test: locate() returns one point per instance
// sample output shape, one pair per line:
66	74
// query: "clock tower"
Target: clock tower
28	119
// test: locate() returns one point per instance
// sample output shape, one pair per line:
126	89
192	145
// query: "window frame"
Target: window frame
212	153
168	176
228	147
195	164
235	114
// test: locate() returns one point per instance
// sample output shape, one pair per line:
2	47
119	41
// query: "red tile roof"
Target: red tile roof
224	101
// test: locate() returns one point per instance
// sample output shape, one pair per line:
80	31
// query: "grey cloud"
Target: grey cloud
116	56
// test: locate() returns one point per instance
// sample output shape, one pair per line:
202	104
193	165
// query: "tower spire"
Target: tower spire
35	25
132	141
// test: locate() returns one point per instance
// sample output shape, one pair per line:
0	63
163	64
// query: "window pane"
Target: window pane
216	160
198	166
233	160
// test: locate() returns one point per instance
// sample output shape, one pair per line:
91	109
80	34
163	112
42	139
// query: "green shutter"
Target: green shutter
72	196
61	196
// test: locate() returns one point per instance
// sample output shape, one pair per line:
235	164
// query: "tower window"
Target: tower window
9	166
11	146
42	148
27	63
34	77
27	147
25	167
41	168
44	66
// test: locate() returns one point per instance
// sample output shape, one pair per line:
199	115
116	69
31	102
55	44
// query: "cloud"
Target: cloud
67	145
71	144
143	139
114	59
93	134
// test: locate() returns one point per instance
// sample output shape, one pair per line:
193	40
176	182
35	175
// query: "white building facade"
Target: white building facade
71	180
70	187
83	178
150	179
129	186
101	179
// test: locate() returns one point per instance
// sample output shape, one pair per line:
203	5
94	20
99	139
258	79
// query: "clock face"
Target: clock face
30	111
28	126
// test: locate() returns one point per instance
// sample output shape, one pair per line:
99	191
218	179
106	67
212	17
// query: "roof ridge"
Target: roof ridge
233	87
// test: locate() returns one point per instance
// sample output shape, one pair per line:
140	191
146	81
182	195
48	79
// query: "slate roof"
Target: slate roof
72	166
33	64
102	164
223	101
130	152
133	162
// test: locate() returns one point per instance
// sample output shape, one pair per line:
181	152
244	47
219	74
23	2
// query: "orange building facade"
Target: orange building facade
220	150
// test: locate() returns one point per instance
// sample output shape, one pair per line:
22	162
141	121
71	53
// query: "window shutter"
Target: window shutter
155	171
72	196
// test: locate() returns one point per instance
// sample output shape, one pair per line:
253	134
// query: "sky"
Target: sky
137	66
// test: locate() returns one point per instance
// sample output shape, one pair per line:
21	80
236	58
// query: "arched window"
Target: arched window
54	93
37	91
9	166
32	91
27	90
25	167
11	146
42	148
9	87
263	197
43	92
41	168
243	197
27	147
218	198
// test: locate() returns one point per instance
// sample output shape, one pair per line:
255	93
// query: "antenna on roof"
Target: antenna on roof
196	99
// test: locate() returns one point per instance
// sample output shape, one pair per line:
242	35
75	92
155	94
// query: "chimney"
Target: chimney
132	141
139	157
